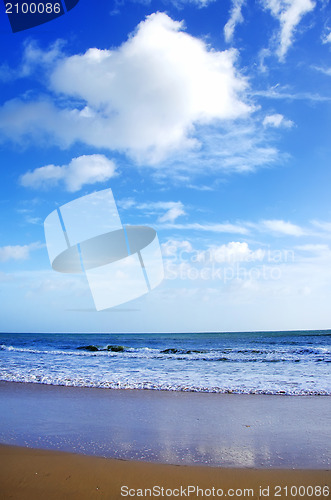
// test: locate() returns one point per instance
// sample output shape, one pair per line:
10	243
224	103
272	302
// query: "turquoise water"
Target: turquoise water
290	363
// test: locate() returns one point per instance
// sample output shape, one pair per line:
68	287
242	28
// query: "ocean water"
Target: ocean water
289	363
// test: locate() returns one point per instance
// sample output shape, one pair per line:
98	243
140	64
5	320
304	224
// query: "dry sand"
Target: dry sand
31	474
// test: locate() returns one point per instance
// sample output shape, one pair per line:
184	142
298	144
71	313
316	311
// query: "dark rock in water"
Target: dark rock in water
180	351
88	348
92	348
115	348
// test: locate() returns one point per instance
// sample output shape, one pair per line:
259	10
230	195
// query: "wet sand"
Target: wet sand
170	427
230	443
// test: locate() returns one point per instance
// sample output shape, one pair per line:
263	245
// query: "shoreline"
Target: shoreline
217	430
31	474
281	394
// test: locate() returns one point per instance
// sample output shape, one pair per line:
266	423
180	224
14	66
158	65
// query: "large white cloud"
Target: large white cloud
86	169
143	98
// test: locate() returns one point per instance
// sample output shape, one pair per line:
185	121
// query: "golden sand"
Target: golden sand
31	474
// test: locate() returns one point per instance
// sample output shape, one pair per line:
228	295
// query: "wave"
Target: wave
129	385
227	355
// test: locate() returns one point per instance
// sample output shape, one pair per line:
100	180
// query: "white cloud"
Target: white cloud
209	227
234	251
325	71
18	252
171	247
144	98
198	3
174	211
200	187
243	148
324	226
327	38
6	73
282	227
86	169
33	56
126	203
315	248
262	56
277	120
277	92
236	17
176	3
289	14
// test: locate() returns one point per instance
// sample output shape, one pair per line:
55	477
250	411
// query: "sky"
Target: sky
210	122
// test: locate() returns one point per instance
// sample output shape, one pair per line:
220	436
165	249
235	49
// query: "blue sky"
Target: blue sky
210	121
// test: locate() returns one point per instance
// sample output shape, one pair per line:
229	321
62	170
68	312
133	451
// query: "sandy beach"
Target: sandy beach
30	474
69	442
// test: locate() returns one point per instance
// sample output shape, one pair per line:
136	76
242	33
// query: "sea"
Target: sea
285	362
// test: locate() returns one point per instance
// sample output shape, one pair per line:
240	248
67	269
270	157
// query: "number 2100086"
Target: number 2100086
33	8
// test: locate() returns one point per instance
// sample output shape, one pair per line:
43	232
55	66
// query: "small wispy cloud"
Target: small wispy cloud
171	247
327	38
314	248
281	227
289	13
278	92
234	251
209	227
33	58
173	212
277	120
18	252
200	187
198	3
236	18
324	70
166	211
231	252
244	148
322	225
